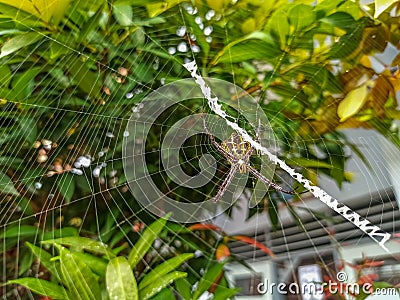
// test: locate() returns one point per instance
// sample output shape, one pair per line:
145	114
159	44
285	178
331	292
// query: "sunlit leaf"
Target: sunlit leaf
83	243
123	14
164	268
162	282
146	240
78	277
353	102
18	42
42	287
301	16
210	276
120	282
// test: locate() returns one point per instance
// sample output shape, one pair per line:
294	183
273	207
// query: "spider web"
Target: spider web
95	157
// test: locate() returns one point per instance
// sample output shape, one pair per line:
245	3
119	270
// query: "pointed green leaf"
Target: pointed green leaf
18	42
20	231
123	14
78	277
83	243
301	16
120	281
225	293
164	268
208	279
44	258
183	288
91	24
42	287
6	185
87	80
146	240
97	264
155	287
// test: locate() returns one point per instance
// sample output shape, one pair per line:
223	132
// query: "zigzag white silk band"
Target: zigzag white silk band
373	231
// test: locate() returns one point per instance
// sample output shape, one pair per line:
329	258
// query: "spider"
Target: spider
238	153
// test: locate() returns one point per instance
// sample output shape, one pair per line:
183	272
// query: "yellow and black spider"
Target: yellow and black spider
238	153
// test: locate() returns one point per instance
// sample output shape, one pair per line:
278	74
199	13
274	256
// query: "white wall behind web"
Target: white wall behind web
367	183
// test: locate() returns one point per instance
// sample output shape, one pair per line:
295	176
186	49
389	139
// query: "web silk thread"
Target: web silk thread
373	231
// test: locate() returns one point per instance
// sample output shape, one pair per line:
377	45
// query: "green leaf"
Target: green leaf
5	75
78	277
146	240
165	294
340	19
348	43
257	45
183	288
25	263
164	268
308	163
66	186
85	78
121	284
97	264
155	9
44	258
83	243
22	83
6	185
279	27
225	293
134	2
28	129
59	233
353	102
123	14
90	25
20	231
301	16
208	279
42	287
155	287
20	41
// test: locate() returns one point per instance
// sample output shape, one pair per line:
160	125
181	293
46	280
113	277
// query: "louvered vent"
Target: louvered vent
314	233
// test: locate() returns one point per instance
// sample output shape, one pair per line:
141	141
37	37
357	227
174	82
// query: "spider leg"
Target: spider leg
268	182
226	183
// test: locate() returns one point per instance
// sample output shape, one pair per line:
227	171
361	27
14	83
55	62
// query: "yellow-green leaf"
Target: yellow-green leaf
43	9
155	287
42	287
352	103
121	284
146	240
18	42
166	267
